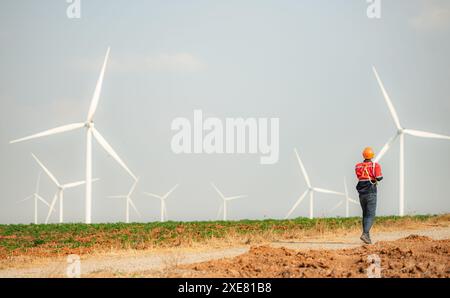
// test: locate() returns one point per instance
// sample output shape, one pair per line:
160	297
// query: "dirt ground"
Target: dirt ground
401	254
413	256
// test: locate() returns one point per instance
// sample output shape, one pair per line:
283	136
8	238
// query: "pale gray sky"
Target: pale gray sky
306	62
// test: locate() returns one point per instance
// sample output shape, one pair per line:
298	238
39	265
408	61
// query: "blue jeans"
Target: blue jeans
368	202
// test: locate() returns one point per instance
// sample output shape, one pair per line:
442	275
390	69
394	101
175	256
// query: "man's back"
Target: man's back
368	171
368	174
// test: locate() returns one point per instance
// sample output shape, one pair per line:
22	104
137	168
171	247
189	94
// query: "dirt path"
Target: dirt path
353	240
410	257
158	263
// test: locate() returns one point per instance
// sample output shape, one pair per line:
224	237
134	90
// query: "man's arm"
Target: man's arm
378	174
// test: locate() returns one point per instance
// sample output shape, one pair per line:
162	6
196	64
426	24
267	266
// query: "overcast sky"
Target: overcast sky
305	62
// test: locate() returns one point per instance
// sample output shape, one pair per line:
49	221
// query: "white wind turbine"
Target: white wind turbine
401	135
88	124
163	201
129	201
60	192
347	201
310	190
225	200
36	198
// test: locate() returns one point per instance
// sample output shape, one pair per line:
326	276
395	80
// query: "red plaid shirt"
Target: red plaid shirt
368	170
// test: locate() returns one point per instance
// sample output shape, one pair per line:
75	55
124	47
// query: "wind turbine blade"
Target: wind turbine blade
297	203
302	167
424	134
98	89
134	207
46	170
353	201
42	200
152	195
52	207
235	197
331	192
133	187
336	206
110	151
170	191
26	199
387	99
218	191
165	212
385	148
347	197
49	132
74	184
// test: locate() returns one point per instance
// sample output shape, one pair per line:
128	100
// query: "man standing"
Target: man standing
369	174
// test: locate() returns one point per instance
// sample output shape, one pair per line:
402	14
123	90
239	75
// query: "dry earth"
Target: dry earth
413	256
426	255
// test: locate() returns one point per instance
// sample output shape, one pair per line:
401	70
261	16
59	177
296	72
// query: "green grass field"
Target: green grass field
56	239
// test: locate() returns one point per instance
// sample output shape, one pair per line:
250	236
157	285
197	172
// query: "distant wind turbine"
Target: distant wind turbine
311	190
129	201
88	124
36	198
225	200
163	201
400	134
60	192
347	199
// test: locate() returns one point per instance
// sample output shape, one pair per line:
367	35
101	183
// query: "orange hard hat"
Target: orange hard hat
368	153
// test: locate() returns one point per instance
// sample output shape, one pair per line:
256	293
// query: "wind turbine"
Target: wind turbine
59	193
400	134
129	201
311	190
225	200
347	201
163	201
36	198
88	124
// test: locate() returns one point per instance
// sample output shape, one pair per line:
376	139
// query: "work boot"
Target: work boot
365	238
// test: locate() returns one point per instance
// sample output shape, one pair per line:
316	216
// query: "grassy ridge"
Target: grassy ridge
81	238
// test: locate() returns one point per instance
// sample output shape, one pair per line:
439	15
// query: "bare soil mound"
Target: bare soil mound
413	256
